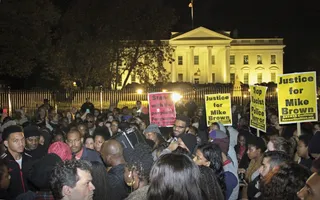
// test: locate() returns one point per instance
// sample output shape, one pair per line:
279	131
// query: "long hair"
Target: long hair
99	180
210	184
174	177
284	183
213	154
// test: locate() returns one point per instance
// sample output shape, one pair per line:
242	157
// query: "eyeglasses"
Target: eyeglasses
89	121
181	127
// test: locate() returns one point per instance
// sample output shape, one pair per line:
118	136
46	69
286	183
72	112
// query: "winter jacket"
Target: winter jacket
18	182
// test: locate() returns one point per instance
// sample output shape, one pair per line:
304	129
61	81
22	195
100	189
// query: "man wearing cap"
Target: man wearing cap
33	148
152	132
18	161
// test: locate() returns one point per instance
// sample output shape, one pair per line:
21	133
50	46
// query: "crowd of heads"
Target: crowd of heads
91	154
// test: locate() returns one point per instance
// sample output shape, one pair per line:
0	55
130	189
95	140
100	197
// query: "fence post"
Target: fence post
9	102
101	98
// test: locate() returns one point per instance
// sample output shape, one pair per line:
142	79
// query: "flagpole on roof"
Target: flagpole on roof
191	9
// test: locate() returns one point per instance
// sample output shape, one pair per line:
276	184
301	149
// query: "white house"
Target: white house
205	56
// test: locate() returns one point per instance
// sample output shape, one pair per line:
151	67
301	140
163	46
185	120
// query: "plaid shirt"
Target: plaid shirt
44	195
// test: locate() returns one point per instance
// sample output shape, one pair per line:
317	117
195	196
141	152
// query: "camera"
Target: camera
241	178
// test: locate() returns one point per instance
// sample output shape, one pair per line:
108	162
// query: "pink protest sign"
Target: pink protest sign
162	109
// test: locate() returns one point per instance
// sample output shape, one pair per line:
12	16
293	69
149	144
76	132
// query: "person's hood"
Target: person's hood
41	170
233	136
222	128
7	124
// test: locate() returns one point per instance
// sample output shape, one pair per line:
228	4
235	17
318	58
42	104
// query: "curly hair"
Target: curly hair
212	153
285	182
66	173
141	160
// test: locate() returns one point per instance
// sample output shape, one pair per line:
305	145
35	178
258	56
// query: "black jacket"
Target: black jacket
91	155
117	189
18	182
37	153
87	105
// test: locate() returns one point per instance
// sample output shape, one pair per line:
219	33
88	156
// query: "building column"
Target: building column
207	71
227	71
225	66
173	66
191	65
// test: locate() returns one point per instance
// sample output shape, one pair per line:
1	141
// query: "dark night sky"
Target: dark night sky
298	23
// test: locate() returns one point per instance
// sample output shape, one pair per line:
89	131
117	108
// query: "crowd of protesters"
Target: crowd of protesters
78	155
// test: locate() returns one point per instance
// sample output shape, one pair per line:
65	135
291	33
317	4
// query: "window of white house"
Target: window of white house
180	77
259	78
259	59
232	60
232	77
213	77
213	60
196	60
180	60
196	81
246	78
273	59
245	59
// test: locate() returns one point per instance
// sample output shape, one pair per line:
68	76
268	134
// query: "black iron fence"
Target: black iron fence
64	100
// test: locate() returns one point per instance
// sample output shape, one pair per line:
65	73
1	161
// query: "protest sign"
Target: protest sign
218	109
297	97
161	109
258	107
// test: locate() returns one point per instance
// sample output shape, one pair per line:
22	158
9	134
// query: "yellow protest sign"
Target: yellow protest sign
218	108
258	107
297	97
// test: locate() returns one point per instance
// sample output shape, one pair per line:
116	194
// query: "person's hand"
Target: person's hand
243	183
173	146
241	171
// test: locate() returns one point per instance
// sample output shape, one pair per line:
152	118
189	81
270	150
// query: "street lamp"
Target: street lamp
139	91
176	97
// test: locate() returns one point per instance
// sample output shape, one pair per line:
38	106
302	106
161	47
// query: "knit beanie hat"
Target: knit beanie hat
217	134
41	170
61	149
190	141
31	131
9	130
313	146
153	128
221	139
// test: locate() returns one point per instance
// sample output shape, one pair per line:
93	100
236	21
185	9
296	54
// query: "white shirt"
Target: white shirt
20	162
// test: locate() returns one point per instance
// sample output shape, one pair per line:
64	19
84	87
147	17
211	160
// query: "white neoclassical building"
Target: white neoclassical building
205	56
